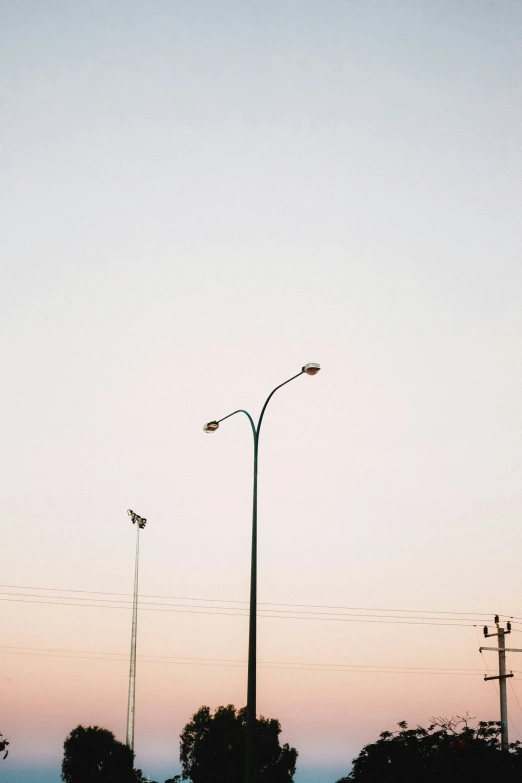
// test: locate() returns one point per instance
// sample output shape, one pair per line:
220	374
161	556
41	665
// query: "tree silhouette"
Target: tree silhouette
448	751
94	755
140	777
212	748
3	746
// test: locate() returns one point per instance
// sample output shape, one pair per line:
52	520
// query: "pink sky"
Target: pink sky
198	199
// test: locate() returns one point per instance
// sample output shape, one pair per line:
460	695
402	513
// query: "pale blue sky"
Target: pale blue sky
196	198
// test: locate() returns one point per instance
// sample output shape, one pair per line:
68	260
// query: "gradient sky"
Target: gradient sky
196	198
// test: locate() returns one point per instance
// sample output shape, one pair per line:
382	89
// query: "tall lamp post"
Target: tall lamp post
140	523
312	368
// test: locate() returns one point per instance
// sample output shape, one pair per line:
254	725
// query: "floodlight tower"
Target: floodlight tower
140	523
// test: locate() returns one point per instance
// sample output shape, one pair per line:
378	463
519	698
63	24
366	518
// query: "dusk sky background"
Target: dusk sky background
196	198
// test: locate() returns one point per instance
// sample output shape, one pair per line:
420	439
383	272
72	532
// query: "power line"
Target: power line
515	695
239	660
281	665
75	600
244	613
261	603
230	609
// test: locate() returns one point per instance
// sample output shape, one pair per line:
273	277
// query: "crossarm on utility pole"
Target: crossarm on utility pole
499	676
500	649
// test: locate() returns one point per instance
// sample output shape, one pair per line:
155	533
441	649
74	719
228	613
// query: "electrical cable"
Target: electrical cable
244	613
144	605
281	665
260	603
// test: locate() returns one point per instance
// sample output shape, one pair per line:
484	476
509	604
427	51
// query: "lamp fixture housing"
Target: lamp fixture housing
137	519
312	368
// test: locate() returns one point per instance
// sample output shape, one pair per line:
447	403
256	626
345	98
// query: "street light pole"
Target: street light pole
140	523
312	368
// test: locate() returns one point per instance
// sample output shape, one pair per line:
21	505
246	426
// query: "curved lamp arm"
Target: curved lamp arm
240	410
271	395
212	426
309	369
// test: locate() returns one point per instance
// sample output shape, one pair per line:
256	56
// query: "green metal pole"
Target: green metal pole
250	754
250	743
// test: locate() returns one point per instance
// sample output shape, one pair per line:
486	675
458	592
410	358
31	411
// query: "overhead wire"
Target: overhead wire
234	609
232	662
244	613
260	603
313	612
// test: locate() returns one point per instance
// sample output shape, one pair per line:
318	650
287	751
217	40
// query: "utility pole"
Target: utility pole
140	523
502	676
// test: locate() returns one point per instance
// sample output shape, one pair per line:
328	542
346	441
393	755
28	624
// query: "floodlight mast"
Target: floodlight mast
140	523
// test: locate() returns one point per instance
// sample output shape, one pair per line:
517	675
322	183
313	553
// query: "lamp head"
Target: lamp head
212	426
312	368
136	518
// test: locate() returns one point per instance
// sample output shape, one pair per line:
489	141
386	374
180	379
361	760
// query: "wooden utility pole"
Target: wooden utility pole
502	676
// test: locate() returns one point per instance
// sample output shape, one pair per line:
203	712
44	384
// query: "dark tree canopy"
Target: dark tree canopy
212	748
448	751
3	746
94	755
140	777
